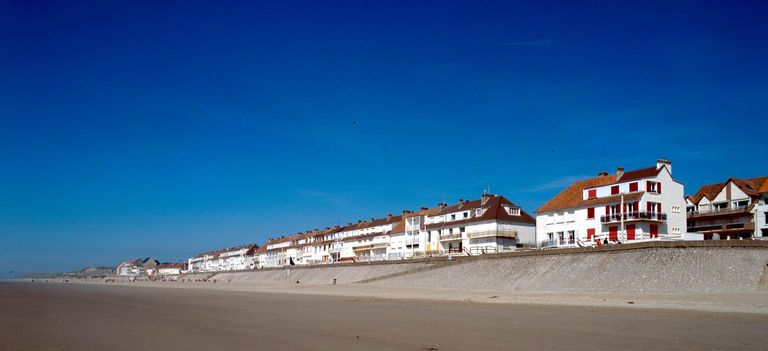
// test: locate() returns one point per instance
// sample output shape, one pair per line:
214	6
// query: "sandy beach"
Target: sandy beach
38	316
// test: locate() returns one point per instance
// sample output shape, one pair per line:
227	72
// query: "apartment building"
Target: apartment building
627	206
136	267
490	224
229	259
734	209
171	268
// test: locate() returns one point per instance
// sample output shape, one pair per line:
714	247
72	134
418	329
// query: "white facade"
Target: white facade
236	258
622	210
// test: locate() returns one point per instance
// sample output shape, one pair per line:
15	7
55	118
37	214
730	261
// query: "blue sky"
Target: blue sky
164	129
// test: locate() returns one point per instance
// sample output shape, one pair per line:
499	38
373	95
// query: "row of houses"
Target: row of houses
625	206
486	225
149	267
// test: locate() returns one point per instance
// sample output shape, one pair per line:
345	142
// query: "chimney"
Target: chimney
359	221
664	162
389	216
405	212
602	174
350	223
484	198
424	208
442	205
461	201
619	172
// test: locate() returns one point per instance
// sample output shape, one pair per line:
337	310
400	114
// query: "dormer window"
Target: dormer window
466	214
478	212
514	211
591	193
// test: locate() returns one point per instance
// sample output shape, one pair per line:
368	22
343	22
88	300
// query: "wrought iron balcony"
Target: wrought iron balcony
634	216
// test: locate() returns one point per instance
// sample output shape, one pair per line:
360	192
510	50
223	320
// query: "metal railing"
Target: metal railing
446	237
633	216
491	233
481	250
717	211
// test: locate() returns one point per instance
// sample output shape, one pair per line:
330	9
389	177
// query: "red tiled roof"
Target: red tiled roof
494	211
573	196
750	186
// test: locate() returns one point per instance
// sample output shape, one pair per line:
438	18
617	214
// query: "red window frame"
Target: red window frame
592	193
590	233
633	186
590	213
615	190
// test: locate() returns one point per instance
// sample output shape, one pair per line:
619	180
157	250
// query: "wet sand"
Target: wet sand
39	316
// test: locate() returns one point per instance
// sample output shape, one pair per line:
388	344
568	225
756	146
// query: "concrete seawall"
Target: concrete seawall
651	270
323	275
654	267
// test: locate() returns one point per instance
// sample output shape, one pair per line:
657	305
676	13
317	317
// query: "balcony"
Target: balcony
633	216
450	237
725	227
362	248
335	249
717	212
511	234
412	241
379	245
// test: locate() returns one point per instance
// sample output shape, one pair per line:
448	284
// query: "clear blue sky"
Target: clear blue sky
165	129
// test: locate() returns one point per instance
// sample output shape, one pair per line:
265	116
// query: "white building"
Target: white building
490	224
627	206
136	267
734	209
229	259
165	269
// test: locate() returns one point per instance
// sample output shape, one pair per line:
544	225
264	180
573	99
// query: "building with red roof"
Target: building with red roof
635	205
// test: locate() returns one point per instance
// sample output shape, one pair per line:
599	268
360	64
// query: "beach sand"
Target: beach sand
47	316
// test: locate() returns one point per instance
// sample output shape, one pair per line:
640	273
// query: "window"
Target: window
514	211
675	230
653	187
615	190
632	186
462	230
676	209
453	217
479	212
592	193
740	204
591	213
466	214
